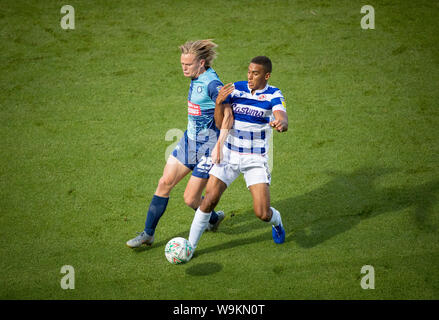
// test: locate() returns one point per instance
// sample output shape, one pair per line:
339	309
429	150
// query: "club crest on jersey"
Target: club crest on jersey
193	109
199	89
262	97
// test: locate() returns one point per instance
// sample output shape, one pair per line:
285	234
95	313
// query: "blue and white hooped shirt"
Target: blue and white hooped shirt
253	113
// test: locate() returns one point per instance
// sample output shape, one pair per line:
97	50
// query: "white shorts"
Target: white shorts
253	166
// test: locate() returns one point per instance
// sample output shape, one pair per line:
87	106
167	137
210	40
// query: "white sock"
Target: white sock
199	224
275	218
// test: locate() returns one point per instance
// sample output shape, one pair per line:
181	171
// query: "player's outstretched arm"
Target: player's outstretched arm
227	122
226	125
219	107
280	122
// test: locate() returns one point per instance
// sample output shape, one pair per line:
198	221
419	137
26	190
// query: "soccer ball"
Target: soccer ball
178	250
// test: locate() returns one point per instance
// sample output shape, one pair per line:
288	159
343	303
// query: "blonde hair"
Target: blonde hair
201	49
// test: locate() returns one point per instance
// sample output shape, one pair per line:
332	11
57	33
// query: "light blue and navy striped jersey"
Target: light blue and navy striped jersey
252	113
201	105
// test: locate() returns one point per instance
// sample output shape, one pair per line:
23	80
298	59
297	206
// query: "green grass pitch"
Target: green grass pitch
84	115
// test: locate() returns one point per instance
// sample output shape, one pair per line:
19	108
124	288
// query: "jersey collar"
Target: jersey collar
201	75
257	91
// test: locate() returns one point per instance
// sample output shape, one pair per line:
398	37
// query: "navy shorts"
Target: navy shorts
195	155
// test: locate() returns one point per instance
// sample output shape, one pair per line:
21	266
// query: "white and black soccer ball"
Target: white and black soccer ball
178	250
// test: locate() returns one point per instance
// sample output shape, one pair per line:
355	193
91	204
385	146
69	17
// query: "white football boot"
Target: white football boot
142	238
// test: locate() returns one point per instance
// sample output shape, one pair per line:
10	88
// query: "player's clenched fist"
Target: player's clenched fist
279	125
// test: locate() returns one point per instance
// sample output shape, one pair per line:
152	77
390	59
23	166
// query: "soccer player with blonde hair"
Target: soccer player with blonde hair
192	154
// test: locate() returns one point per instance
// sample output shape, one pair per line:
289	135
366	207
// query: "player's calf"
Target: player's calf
191	201
264	214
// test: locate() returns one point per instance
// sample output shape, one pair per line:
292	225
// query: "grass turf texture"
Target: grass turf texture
84	115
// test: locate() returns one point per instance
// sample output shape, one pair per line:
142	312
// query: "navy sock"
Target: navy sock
213	217
156	209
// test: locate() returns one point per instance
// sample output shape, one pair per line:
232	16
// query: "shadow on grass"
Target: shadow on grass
348	199
204	269
336	207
